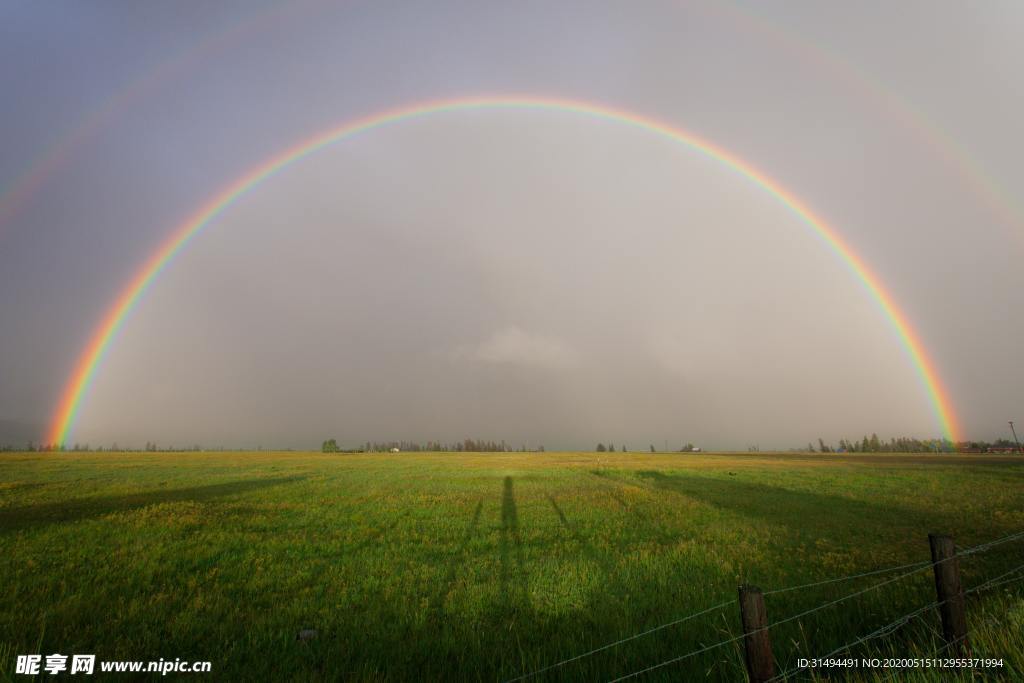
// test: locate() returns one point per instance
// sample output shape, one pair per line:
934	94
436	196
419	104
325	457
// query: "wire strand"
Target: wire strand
701	613
772	625
905	619
789	589
678	659
915	567
969	551
877	633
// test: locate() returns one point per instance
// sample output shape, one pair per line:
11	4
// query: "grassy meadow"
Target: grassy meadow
489	566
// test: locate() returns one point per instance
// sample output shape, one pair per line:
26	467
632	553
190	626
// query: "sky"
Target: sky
539	276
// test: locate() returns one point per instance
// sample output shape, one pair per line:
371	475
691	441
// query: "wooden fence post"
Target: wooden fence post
760	663
950	593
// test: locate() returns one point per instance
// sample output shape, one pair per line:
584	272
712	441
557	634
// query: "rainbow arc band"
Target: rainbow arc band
91	357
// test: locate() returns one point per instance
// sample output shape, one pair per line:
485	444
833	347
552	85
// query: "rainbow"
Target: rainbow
92	356
59	154
836	69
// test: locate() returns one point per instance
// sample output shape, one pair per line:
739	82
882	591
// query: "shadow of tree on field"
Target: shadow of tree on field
600	559
23	517
383	640
436	604
614	484
610	483
817	513
377	537
511	544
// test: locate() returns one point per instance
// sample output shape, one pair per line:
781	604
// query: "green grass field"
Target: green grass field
489	566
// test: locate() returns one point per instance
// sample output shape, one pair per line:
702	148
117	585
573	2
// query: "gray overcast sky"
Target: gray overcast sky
540	277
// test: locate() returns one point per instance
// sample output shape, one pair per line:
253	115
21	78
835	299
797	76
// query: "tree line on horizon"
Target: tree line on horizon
905	444
464	446
610	448
867	444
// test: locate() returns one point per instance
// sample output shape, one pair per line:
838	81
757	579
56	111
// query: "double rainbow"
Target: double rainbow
85	370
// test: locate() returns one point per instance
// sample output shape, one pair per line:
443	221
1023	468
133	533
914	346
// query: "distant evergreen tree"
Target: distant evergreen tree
601	448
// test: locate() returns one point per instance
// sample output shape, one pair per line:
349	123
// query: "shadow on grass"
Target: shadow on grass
17	518
600	559
458	557
611	483
378	537
802	511
511	544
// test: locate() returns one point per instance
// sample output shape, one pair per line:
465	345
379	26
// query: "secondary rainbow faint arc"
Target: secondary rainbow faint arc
59	152
85	369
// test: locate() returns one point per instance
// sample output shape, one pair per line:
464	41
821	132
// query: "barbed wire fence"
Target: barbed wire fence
914	568
906	619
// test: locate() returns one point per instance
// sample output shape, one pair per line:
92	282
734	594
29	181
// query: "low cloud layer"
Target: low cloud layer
513	346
